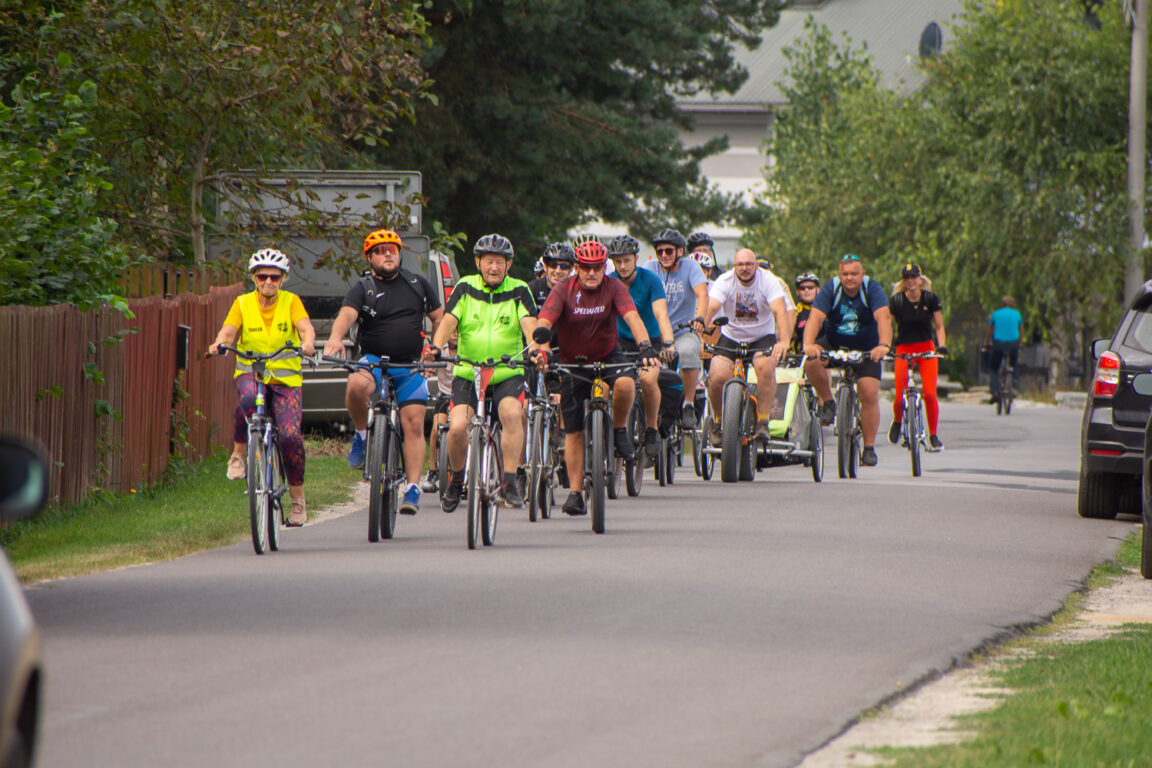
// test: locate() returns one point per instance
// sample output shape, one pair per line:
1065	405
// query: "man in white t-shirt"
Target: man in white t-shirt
753	302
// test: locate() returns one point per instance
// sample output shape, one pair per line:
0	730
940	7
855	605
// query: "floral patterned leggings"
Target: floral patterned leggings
285	405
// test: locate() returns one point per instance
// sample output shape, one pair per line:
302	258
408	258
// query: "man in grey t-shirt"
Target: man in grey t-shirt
686	291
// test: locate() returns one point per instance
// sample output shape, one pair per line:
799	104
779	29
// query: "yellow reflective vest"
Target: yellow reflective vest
256	337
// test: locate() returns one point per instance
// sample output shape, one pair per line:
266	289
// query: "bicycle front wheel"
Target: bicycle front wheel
258	491
670	459
747	469
912	432
599	442
536	438
276	507
856	443
730	419
816	444
376	476
393	477
473	472
634	473
493	475
843	432
706	459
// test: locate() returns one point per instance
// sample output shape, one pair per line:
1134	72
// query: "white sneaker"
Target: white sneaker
298	515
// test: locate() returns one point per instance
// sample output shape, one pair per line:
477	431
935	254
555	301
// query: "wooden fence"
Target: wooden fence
162	279
49	397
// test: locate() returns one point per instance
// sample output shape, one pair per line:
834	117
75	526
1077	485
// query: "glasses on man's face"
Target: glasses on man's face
384	249
558	265
261	277
665	251
590	267
808	287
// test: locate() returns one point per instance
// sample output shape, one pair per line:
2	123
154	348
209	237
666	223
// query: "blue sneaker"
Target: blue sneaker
411	503
356	452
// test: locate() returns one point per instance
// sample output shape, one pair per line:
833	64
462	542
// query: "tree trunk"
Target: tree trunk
197	210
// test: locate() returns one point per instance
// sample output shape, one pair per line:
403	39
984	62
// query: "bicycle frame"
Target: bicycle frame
850	435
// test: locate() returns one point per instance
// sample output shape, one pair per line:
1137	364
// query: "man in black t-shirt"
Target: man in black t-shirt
390	305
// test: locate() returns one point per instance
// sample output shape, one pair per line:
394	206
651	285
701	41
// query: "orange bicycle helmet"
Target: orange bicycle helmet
382	236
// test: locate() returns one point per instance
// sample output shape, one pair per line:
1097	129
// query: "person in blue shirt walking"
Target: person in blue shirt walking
647	294
1005	328
850	312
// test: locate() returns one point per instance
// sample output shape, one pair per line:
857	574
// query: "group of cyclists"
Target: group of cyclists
639	318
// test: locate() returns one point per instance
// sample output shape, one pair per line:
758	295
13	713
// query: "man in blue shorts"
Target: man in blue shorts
850	312
390	304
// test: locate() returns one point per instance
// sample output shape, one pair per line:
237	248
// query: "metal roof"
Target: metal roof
890	28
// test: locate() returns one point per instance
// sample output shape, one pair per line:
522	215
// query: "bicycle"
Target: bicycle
737	420
599	470
1007	394
912	427
484	465
849	433
267	482
544	449
384	460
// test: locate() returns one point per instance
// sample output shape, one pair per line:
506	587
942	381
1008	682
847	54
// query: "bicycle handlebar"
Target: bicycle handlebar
278	354
915	355
383	364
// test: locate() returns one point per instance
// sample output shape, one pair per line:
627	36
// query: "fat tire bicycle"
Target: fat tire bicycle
849	433
266	479
737	449
912	426
384	457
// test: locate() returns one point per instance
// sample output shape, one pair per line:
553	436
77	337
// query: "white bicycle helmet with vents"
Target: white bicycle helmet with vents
269	257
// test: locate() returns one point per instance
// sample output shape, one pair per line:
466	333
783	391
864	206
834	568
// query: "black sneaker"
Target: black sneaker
574	505
623	444
894	432
510	492
937	443
452	494
688	416
868	456
827	412
652	442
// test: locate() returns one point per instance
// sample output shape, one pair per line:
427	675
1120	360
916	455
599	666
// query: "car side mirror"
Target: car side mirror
541	335
23	480
1099	347
1142	383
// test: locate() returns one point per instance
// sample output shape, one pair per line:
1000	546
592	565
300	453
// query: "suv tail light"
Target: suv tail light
446	275
1107	375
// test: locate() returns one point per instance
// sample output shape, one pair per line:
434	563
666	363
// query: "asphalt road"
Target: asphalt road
712	625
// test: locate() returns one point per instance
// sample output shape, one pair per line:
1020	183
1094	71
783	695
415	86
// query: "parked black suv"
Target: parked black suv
1115	416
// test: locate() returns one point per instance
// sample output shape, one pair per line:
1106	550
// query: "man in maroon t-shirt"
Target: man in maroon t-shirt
584	309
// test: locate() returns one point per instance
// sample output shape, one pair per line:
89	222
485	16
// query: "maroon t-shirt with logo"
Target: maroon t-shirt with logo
587	319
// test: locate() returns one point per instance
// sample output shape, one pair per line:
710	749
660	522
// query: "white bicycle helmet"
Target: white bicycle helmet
269	257
707	260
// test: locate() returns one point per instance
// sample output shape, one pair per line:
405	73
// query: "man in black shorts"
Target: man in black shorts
850	312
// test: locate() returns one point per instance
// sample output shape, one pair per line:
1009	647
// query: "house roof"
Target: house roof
891	29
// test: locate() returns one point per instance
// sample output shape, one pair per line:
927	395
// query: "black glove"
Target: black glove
942	350
648	354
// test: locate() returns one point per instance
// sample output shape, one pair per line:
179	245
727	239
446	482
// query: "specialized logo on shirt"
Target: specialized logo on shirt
589	310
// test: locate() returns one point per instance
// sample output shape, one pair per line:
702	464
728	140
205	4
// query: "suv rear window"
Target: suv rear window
1139	334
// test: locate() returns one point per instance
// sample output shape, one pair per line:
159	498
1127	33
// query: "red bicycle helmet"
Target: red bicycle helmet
382	236
591	252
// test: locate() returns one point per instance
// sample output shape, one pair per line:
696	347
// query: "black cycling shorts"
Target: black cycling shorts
573	391
730	349
464	391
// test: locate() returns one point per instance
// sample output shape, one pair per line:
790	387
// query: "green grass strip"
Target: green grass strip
194	509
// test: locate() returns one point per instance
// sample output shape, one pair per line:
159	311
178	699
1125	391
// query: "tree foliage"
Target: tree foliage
55	246
192	91
551	114
1004	173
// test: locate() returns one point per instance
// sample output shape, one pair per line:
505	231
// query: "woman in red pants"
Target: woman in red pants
919	328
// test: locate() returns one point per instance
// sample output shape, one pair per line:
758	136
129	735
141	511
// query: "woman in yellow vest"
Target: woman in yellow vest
265	320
